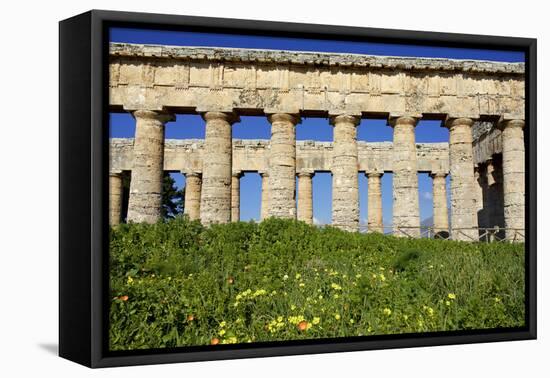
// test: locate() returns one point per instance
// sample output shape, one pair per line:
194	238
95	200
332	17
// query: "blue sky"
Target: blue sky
192	126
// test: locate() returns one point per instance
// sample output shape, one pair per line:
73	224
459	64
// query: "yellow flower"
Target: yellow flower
301	284
222	324
387	311
130	280
320	297
337	316
406	317
451	296
292	307
497	299
351	321
358	275
447	303
298	275
285	277
279	319
382	277
430	311
222	332
316	320
336	296
335	286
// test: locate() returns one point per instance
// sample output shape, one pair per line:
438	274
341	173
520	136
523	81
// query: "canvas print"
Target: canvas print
277	189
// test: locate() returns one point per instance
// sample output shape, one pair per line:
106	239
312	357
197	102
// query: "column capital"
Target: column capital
394	119
284	117
451	122
510	123
374	174
190	173
230	117
306	173
263	173
345	118
237	174
158	115
115	173
437	174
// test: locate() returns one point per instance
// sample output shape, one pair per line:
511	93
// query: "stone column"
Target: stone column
345	180
216	169
463	203
495	205
115	197
483	206
282	166
192	206
374	209
513	178
236	196
305	197
145	202
440	212
265	195
406	213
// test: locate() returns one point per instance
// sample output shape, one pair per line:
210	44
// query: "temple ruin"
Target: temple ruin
481	103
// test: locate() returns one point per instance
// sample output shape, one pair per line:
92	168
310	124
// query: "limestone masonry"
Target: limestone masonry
481	103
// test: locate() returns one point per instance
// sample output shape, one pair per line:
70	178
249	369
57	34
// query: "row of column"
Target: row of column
217	199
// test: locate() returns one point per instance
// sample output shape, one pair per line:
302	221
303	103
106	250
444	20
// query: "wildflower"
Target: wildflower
215	341
447	303
222	324
336	296
387	311
279	319
123	298
190	318
374	275
406	317
230	280
335	286
292	307
230	340
316	320
221	332
382	277
351	321
130	280
451	296
298	275
358	275
274	292
337	316
285	277
301	284
382	268
320	297
303	326
497	299
430	311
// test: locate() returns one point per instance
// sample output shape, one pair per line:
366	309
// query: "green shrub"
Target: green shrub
177	283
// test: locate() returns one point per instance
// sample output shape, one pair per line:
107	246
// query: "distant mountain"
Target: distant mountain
428	222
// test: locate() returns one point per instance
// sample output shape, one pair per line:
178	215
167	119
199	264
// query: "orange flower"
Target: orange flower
215	341
190	318
123	298
302	326
230	280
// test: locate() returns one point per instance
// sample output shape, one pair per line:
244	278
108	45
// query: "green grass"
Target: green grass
179	284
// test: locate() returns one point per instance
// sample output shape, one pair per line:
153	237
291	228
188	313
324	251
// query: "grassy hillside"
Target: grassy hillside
179	284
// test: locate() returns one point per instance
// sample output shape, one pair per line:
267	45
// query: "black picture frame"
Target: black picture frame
83	181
